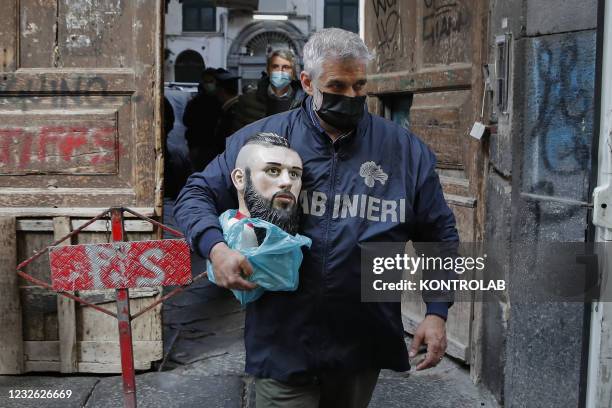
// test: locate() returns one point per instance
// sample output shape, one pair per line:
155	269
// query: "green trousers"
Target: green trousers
329	391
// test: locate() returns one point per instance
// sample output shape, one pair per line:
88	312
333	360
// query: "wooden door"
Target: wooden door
80	85
80	91
427	76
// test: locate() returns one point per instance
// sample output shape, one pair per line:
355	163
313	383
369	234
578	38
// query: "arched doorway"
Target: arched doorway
188	67
247	56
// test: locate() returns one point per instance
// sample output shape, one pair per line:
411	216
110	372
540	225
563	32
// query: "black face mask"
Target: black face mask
341	112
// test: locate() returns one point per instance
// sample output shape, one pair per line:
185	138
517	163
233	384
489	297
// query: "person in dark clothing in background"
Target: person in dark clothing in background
201	117
176	166
227	94
168	117
277	91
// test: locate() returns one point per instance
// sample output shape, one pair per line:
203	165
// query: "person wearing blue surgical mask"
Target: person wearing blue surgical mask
279	81
278	90
281	74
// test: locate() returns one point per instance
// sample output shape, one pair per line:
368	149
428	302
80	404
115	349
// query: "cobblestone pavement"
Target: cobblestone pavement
204	366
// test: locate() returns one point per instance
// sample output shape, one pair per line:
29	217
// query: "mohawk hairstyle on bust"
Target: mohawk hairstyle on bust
267	139
263	139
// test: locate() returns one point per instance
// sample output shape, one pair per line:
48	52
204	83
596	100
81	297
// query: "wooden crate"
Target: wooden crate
49	332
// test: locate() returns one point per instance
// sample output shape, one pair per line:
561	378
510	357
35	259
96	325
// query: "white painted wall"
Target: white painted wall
174	18
235	26
599	382
273	6
361	18
318	15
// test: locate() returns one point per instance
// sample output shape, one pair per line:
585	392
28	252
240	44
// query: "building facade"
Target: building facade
200	33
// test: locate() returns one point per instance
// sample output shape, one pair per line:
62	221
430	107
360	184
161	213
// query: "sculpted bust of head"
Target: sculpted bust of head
268	178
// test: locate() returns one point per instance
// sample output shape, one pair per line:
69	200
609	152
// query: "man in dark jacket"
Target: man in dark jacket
277	91
365	179
227	94
200	119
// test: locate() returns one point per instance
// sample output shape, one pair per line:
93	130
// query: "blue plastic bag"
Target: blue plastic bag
276	262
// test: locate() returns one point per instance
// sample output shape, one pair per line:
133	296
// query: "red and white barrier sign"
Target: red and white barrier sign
120	265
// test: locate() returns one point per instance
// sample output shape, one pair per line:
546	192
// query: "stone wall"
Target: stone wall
540	164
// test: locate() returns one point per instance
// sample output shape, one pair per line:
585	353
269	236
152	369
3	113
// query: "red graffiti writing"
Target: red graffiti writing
48	148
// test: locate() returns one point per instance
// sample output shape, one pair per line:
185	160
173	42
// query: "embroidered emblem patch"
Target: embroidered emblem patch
371	173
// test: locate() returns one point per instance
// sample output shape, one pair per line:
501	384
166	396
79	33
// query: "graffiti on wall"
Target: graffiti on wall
389	34
558	129
89	91
442	19
58	149
445	31
559	115
562	112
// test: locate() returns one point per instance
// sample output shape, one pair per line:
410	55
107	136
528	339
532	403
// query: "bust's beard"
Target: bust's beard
260	207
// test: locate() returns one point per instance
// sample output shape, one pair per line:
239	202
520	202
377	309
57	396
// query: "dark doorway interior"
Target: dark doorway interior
189	66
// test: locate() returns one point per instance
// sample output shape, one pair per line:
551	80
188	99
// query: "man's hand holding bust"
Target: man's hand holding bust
267	178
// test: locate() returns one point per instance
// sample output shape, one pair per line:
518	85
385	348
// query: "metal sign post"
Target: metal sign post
125	324
118	265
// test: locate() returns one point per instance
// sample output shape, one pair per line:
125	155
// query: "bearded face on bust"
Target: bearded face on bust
268	178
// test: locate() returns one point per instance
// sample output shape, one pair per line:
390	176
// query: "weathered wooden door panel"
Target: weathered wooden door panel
438	119
81	34
80	91
446	34
79	94
427	73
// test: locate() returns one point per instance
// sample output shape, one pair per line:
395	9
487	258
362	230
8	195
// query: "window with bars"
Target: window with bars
342	14
199	15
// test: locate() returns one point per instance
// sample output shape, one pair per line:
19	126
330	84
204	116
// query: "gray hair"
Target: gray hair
332	43
284	54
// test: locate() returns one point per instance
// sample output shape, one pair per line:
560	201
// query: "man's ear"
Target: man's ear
307	84
238	179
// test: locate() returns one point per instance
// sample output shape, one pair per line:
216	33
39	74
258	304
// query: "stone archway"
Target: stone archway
247	54
188	66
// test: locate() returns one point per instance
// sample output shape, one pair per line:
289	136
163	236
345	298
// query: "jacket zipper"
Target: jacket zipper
332	191
321	346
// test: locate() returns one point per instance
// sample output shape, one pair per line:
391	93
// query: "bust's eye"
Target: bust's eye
273	171
294	174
